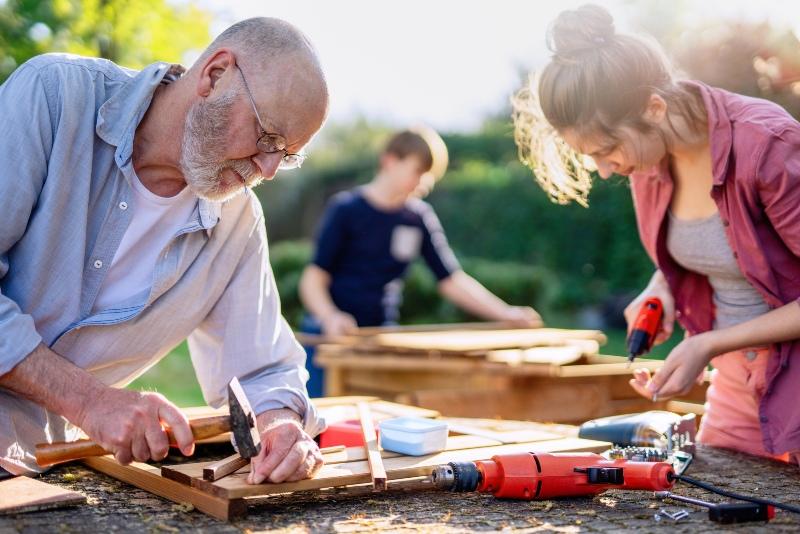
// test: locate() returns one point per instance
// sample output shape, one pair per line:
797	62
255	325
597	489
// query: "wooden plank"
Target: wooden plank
516	436
470	341
23	494
606	369
357	335
191	473
185	472
685	407
401	467
224	467
535	399
149	478
376	470
550	356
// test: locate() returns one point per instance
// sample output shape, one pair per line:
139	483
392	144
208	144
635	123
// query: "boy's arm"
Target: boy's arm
316	297
470	295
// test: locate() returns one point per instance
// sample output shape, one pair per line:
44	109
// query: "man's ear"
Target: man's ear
388	160
215	66
656	109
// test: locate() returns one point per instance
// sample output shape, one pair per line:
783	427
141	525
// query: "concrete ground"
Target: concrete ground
117	507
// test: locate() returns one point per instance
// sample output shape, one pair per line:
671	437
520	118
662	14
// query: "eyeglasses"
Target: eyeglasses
270	143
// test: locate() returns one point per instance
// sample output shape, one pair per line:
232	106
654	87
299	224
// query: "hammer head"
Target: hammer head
243	421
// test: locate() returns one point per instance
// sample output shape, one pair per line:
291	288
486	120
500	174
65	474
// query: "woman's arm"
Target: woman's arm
689	359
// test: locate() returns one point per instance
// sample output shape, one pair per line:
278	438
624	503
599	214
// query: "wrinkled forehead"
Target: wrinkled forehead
296	114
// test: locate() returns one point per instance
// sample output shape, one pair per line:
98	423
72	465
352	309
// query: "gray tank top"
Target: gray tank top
701	246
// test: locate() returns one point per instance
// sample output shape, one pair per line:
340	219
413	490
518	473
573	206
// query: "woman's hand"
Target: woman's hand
684	367
656	288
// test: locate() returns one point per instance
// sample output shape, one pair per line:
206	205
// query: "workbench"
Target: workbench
464	371
115	506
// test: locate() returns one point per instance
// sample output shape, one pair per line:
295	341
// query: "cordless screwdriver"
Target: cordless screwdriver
531	476
645	328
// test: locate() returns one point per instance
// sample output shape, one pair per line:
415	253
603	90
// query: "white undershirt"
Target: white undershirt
154	223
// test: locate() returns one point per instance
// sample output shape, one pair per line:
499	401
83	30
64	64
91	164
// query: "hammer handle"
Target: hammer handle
53	453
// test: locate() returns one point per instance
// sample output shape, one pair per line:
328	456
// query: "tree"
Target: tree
131	33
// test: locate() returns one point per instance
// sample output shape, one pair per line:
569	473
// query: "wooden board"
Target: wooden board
546	355
149	478
360	333
372	448
467	341
23	494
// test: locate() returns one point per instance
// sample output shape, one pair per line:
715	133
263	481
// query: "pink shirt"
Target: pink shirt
755	158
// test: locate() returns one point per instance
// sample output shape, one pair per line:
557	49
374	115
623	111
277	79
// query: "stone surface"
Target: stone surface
117	507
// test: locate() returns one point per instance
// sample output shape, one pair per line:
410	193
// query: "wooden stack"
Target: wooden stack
543	374
348	468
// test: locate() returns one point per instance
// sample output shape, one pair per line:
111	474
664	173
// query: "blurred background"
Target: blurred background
453	65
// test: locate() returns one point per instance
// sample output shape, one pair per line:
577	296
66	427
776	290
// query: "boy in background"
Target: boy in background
367	239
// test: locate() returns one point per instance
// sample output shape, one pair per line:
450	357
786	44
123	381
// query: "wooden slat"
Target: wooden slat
363	332
224	467
23	494
149	478
471	341
401	467
376	470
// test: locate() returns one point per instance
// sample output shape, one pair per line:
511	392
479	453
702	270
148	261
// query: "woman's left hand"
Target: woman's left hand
684	366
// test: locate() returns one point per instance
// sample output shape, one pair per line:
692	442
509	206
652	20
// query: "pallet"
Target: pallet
554	391
229	497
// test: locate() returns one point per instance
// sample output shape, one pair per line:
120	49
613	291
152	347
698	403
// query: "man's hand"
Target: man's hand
338	323
130	424
684	367
287	453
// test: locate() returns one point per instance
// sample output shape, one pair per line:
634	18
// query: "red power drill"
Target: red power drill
645	328
532	476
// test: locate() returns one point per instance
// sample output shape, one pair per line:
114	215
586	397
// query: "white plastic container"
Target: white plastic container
414	436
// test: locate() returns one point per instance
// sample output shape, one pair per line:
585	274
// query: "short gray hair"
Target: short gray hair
260	39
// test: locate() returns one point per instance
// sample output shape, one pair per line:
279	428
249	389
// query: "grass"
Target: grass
174	378
174	375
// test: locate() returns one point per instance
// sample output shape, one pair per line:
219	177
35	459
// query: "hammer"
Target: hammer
241	423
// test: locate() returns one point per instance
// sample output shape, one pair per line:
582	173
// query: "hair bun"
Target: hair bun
580	30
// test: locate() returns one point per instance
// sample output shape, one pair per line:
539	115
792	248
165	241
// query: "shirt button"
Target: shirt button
123	206
735	255
785	363
763	419
750	355
98	264
725	222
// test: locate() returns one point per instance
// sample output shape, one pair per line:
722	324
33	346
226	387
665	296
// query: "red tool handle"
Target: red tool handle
532	476
645	327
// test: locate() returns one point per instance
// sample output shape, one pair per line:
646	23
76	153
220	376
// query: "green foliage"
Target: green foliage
490	207
288	259
131	33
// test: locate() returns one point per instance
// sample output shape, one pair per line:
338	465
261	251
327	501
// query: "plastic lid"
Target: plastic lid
413	424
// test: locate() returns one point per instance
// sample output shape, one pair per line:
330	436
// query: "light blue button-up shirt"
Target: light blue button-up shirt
66	143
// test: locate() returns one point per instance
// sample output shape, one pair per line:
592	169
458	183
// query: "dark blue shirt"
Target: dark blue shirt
367	252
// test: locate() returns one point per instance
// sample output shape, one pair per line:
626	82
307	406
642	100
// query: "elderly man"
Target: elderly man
128	225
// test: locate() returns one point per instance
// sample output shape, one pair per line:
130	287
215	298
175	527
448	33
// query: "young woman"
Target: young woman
715	178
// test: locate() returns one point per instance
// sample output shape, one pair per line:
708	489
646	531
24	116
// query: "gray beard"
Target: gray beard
205	138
